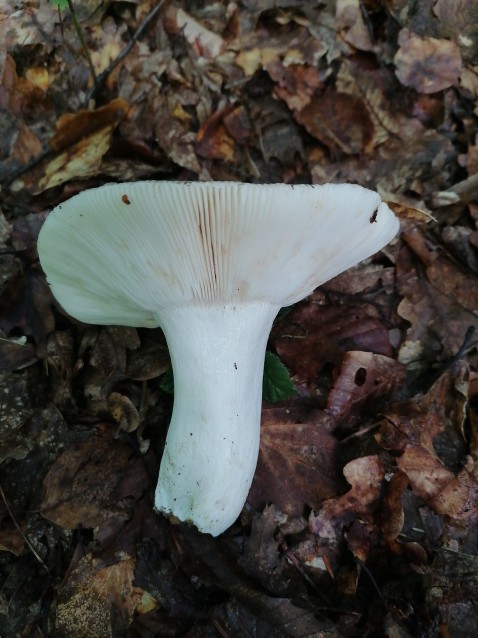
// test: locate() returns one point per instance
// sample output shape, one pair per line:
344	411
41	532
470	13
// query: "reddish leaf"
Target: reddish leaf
213	141
338	120
296	83
239	125
85	486
365	475
101	598
297	464
313	335
363	376
391	509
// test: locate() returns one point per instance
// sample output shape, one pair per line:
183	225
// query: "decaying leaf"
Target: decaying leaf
84	486
363	377
316	335
365	476
100	600
427	64
81	141
338	120
213	141
297	465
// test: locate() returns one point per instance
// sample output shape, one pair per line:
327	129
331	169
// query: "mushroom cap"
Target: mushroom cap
120	253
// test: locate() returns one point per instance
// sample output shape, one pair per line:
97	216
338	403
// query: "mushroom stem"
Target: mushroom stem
212	444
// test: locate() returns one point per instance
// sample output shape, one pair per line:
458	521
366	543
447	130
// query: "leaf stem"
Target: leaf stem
79	31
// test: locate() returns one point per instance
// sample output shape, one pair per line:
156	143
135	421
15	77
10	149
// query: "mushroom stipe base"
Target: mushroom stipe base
213	439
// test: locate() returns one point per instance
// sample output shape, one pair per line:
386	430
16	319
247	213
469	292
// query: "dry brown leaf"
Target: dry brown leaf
72	128
298	464
363	377
27	307
26	146
427	474
351	23
175	137
15	354
314	335
406	209
11	540
458	20
100	600
239	126
80	161
261	557
80	142
338	120
205	42
440	306
447	494
427	64
83	487
296	83
366	476
392	515
213	141
417	427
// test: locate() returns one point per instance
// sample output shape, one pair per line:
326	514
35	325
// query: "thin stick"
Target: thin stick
83	42
20	531
124	52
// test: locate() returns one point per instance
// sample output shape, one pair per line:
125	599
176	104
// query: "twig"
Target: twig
124	52
433	548
83	42
20	531
463	192
372	580
465	346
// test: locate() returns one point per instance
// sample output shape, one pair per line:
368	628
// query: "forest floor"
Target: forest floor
362	518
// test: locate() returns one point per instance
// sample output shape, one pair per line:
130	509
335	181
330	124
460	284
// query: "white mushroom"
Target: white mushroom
211	263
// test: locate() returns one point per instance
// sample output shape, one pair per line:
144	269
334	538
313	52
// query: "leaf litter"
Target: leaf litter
362	517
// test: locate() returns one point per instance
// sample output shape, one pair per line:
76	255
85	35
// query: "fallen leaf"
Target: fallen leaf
338	120
298	463
351	24
74	127
261	557
239	126
206	42
81	141
427	64
27	307
439	306
392	515
213	141
99	599
363	377
175	137
365	476
458	19
16	354
315	335
296	83
83	486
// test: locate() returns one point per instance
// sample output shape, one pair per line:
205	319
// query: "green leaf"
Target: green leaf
61	4
167	382
277	384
